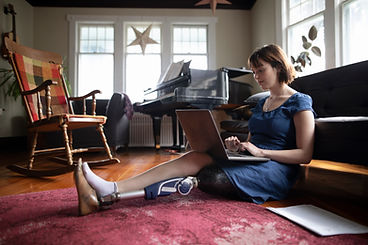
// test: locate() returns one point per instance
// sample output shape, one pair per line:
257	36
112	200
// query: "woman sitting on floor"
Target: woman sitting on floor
281	128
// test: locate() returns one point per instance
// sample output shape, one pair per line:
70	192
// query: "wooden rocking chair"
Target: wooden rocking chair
48	106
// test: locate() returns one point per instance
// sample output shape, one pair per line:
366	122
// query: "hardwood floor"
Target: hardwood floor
319	189
131	163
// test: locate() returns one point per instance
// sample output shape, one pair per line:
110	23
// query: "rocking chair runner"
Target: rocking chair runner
47	103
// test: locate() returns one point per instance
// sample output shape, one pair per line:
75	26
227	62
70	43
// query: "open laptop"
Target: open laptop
203	136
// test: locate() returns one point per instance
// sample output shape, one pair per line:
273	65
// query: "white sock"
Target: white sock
101	186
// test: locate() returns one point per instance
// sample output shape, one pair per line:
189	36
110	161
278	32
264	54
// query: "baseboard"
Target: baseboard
13	144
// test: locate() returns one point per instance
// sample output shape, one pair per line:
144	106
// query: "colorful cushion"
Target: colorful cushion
33	73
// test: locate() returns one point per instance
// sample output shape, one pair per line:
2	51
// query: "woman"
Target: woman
281	129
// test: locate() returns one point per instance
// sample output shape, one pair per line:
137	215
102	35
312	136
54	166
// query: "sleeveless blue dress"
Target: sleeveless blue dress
273	130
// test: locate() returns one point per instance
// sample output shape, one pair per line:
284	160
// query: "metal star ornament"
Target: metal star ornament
142	39
212	3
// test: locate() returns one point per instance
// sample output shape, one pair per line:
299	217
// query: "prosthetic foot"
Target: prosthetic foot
87	197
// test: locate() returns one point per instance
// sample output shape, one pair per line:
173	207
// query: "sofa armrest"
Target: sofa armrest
115	106
117	124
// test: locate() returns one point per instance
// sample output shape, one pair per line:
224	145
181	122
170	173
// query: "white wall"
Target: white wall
238	32
12	120
261	32
263	23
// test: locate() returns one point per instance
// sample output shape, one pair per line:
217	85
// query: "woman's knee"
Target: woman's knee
212	179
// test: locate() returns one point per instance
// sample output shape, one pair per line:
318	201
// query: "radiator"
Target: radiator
141	131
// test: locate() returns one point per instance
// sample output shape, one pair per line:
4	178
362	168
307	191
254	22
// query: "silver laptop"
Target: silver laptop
203	136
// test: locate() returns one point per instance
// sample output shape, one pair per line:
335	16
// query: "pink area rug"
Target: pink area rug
51	218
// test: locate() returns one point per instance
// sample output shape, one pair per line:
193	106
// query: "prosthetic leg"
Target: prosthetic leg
211	179
163	188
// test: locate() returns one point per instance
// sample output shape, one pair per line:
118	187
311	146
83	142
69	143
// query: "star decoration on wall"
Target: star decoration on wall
142	39
212	3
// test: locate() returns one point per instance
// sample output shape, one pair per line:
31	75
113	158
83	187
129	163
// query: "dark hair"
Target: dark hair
276	57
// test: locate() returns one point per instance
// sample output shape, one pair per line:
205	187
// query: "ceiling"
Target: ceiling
180	4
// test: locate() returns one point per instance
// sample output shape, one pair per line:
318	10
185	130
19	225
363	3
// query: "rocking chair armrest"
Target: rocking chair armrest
93	93
46	87
43	86
85	96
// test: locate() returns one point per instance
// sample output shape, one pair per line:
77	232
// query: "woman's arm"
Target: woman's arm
304	127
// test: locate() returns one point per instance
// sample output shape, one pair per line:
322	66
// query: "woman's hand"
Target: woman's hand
232	143
252	149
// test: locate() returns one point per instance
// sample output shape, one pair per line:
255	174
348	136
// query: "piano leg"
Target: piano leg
181	139
176	133
156	121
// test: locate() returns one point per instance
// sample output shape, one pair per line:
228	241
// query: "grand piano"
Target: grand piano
204	89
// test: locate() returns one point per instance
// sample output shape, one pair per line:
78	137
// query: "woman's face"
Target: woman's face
265	75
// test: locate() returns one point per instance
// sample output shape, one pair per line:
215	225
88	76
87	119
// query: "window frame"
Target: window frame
333	21
300	22
79	53
286	26
193	53
343	3
118	22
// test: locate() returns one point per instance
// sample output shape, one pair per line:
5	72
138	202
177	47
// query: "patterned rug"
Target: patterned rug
50	217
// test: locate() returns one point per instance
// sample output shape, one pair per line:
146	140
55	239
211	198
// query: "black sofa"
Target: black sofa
116	128
341	103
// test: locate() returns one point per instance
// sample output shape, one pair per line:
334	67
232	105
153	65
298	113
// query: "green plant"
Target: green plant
9	83
304	56
65	76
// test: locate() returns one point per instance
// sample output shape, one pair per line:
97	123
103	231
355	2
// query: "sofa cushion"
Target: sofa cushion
101	105
340	91
253	100
342	139
239	126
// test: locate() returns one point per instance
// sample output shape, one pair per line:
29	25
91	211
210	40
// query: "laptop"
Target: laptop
203	136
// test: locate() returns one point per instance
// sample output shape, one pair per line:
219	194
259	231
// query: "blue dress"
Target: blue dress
273	130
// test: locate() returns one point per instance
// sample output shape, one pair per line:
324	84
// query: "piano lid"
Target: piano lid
176	74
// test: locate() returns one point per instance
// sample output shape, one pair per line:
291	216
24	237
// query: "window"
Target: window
190	44
96	53
100	58
303	14
142	70
341	25
303	9
354	31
